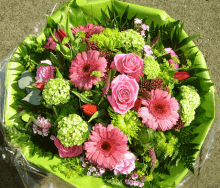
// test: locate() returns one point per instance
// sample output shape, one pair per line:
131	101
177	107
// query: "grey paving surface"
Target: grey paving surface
18	18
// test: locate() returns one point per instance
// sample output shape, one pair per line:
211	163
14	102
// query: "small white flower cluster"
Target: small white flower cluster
141	27
92	170
147	50
133	180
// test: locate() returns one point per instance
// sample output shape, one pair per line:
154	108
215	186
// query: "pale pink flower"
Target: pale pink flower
51	44
42	122
130	64
127	165
124	94
171	61
71	151
134	176
107	146
137	21
160	111
83	65
45	72
147	50
89	29
143	33
145	27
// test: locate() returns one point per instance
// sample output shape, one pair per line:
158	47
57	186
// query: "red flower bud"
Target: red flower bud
61	34
137	105
89	109
181	76
39	85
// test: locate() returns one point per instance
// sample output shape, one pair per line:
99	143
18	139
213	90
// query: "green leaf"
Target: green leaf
55	60
97	114
50	22
187	40
58	74
25	80
82	98
33	97
65	40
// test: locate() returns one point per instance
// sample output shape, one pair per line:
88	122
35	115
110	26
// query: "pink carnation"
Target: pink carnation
45	72
89	29
51	44
127	165
83	65
130	64
160	111
71	151
107	146
124	94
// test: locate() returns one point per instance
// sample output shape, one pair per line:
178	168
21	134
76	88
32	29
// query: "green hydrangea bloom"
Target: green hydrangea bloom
72	130
189	100
128	123
151	67
108	39
131	41
56	91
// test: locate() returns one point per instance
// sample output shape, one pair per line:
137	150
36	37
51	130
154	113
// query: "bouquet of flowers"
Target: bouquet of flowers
109	97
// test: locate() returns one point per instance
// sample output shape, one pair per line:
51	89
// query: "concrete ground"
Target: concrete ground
18	19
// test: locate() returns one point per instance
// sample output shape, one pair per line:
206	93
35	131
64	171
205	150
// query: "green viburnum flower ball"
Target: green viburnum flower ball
151	67
56	91
128	123
72	130
131	41
189	101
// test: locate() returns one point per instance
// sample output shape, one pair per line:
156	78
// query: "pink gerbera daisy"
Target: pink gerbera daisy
107	146
161	111
83	65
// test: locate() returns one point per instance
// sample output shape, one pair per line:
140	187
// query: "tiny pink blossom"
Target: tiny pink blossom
124	94
143	33
127	165
130	64
52	137
45	72
143	178
145	27
171	61
134	176
71	151
147	50
141	184
137	21
51	44
136	183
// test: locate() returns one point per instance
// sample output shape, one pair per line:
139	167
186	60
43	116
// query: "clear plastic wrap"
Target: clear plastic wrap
33	176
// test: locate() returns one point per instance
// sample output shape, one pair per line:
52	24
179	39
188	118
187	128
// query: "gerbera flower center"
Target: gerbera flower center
106	146
87	68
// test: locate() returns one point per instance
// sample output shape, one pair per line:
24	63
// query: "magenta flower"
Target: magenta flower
83	65
71	151
127	165
51	44
45	72
130	64
160	111
89	29
124	94
107	146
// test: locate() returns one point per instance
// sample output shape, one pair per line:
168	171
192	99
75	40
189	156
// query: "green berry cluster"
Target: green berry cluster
72	130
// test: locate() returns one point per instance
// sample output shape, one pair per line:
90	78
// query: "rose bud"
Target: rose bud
39	85
89	109
181	76
61	34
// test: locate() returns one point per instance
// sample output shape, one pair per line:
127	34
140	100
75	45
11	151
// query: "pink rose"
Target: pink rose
46	72
130	64
71	151
124	93
127	165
